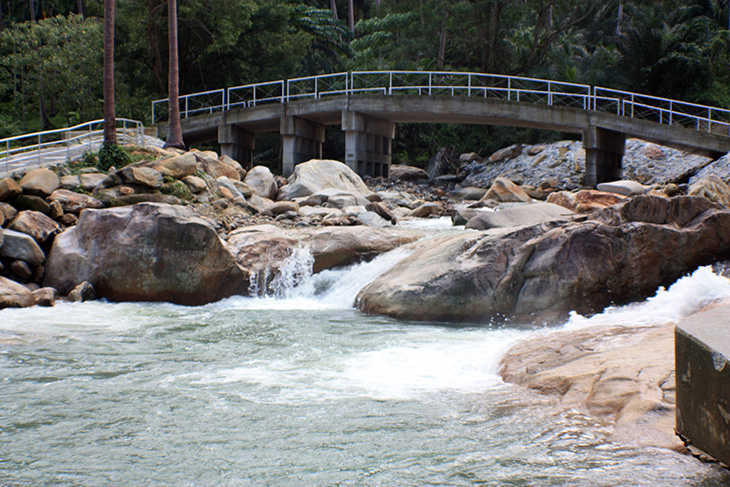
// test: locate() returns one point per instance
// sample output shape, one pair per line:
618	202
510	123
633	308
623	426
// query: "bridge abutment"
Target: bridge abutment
604	155
301	141
237	143
368	143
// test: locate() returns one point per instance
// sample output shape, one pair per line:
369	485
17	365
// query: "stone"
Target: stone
439	164
134	199
20	246
542	272
585	201
21	269
142	176
35	224
262	182
400	172
178	166
372	219
260	204
9	189
88	181
231	191
234	164
341	200
40	182
195	184
527	214
505	154
426	210
74	202
505	191
210	164
146	252
243	188
45	296
14	295
29	202
382	211
70	182
81	293
713	188
468	157
470	193
56	210
318	174
8	211
280	207
68	219
703	382
624	187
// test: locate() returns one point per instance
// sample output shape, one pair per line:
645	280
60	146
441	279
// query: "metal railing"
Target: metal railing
52	147
443	83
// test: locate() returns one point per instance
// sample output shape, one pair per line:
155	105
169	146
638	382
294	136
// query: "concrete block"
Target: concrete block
702	344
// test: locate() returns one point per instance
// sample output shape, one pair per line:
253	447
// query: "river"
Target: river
301	389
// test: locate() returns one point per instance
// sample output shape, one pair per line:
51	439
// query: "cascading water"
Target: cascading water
294	387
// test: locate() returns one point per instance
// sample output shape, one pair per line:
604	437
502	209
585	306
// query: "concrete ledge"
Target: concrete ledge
702	346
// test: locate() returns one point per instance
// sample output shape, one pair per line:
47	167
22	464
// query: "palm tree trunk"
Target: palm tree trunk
351	13
110	123
174	130
31	6
333	7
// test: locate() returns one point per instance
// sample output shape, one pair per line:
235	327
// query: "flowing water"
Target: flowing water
300	389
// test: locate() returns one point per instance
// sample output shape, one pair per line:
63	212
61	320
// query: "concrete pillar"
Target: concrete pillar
702	347
301	141
368	143
604	155
237	143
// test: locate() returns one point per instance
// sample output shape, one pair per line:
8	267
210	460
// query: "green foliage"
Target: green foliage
111	155
177	189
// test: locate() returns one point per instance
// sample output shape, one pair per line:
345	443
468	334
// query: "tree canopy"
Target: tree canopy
51	50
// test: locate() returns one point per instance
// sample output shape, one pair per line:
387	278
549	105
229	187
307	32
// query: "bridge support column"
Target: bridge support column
237	143
301	141
604	155
368	143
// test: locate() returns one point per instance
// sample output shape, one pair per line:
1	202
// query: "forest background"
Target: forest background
51	54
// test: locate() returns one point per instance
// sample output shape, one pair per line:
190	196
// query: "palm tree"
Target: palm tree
174	130
110	129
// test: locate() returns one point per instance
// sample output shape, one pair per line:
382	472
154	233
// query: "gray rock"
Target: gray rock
40	182
527	214
624	187
83	292
14	295
316	175
20	246
262	182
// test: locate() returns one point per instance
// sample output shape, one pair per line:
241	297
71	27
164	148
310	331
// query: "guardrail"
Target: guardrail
439	83
54	147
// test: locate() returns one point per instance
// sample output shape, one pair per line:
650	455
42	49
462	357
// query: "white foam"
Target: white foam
683	298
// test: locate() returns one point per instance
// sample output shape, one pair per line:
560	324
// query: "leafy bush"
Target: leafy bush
113	156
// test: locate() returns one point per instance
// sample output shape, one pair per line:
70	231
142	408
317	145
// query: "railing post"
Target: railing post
550	94
390	82
509	89
39	150
671	112
316	88
186	107
430	82
469	78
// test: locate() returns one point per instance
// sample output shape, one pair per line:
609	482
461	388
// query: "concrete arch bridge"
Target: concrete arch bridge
369	104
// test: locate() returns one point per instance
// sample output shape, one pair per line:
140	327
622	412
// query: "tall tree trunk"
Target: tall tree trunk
31	6
351	13
80	8
442	40
333	7
174	131
110	122
2	18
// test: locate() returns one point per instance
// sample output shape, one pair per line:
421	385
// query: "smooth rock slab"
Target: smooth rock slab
147	252
527	214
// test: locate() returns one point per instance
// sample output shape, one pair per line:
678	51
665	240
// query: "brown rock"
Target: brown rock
22	270
195	184
14	295
407	173
8	211
74	202
146	252
142	176
226	193
283	206
34	203
713	188
9	189
45	296
35	224
585	200
506	191
56	210
83	292
40	182
507	153
178	167
210	164
68	219
234	164
426	210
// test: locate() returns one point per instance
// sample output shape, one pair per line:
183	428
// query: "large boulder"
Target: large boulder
260	179
179	166
141	176
9	189
544	271
147	252
400	172
40	182
318	174
585	200
713	188
214	167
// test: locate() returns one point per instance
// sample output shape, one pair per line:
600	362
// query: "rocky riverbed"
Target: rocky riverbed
195	227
